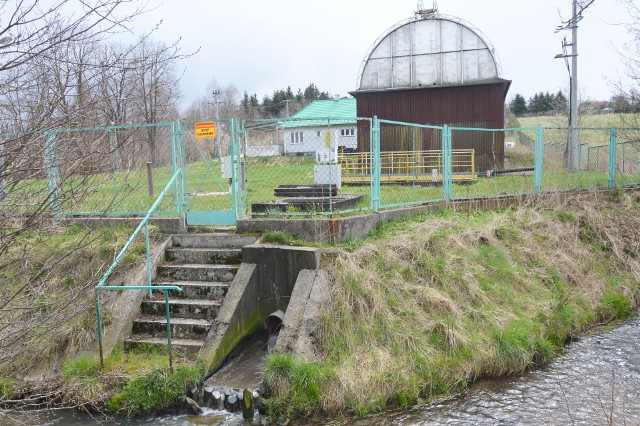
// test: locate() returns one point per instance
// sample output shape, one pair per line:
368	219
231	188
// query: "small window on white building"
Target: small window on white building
347	132
318	133
297	137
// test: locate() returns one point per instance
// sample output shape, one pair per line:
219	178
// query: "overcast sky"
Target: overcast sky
260	46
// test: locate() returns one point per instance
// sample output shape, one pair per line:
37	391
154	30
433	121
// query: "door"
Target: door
211	156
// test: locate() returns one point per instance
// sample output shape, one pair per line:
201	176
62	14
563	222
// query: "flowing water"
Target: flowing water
596	381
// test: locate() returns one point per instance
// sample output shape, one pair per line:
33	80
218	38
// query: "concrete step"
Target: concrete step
183	308
212	240
199	272
212	290
181	328
179	346
204	255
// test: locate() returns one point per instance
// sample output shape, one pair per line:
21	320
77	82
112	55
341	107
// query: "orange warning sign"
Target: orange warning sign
206	129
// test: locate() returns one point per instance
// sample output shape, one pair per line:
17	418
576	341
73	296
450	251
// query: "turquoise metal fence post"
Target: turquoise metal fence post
245	179
613	133
53	174
447	171
375	165
538	160
174	165
330	146
166	308
234	167
239	172
184	187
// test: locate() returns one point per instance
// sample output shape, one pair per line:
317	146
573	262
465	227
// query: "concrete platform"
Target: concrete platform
310	204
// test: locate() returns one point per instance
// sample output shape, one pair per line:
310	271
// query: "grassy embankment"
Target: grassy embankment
426	306
47	318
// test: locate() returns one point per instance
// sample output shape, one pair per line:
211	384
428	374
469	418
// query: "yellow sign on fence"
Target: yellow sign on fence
206	129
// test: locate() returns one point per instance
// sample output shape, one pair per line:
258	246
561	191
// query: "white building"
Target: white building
322	124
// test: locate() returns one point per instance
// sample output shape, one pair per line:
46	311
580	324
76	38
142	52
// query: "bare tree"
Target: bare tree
58	72
157	87
626	93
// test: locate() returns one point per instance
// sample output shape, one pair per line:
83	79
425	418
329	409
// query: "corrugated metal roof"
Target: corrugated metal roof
340	111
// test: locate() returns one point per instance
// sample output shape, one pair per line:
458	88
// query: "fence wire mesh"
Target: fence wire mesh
208	181
116	169
303	167
503	162
310	166
411	164
628	157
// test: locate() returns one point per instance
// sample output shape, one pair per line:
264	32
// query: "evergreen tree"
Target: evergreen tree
518	105
560	103
246	107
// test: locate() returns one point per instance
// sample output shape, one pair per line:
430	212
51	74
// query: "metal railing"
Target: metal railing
407	166
149	287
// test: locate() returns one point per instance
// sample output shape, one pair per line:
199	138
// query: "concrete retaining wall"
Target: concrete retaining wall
344	229
302	318
264	283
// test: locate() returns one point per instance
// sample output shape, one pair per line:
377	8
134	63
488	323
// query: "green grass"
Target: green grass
427	305
51	275
586	120
131	384
158	389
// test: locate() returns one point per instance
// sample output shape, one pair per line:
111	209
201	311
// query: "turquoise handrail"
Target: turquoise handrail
165	288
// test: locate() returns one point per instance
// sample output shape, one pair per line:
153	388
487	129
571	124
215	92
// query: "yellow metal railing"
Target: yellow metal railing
407	166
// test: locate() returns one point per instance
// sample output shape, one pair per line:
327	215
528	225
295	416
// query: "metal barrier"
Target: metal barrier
149	287
407	167
382	163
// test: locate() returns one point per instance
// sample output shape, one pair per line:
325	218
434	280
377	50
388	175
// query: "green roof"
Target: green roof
340	111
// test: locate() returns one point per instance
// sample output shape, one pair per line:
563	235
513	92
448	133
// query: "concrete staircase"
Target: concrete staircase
203	265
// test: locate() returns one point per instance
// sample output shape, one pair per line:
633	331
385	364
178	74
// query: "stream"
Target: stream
596	381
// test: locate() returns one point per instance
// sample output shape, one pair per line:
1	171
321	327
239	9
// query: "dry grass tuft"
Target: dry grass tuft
434	303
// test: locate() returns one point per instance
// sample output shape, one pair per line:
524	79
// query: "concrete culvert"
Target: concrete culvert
273	323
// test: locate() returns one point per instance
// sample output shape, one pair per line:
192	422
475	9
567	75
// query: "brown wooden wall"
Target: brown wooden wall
475	106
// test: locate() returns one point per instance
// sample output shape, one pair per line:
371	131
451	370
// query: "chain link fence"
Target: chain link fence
306	167
319	166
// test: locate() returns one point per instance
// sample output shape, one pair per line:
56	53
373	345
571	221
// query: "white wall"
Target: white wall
314	138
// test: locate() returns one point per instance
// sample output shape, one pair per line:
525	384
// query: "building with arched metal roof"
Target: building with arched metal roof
435	69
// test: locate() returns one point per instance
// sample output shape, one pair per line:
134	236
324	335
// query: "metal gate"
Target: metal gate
211	167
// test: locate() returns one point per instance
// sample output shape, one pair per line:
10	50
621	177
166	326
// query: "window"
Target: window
348	132
318	133
297	137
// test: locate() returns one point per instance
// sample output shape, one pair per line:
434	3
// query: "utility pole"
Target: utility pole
573	118
572	24
216	93
286	101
